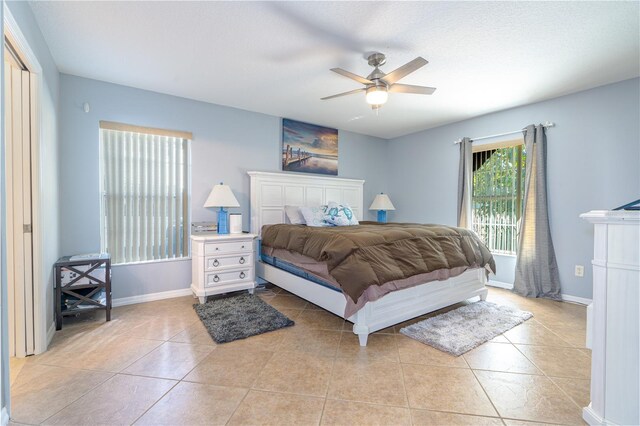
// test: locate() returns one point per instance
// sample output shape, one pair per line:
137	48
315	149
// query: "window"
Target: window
144	178
498	190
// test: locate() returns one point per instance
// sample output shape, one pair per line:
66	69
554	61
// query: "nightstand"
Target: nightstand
221	263
82	284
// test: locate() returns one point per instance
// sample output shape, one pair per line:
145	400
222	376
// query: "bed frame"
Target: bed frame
270	192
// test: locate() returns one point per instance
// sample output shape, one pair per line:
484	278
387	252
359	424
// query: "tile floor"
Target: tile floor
154	363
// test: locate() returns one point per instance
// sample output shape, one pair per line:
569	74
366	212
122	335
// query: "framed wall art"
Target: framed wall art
309	148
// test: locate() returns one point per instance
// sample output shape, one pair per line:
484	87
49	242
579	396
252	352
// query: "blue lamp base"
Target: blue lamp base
382	216
223	221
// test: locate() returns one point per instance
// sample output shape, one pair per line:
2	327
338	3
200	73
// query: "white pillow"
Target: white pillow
294	215
340	215
314	216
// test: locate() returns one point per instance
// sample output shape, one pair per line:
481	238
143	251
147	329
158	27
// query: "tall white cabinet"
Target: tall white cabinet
614	319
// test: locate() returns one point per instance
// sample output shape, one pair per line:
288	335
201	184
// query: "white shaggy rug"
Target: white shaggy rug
462	329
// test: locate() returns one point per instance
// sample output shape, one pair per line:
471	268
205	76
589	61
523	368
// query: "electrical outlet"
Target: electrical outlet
579	271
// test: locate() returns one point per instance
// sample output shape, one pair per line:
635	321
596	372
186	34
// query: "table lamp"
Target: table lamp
382	203
222	196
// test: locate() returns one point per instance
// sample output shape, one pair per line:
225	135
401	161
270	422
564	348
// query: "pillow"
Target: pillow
314	216
340	215
294	215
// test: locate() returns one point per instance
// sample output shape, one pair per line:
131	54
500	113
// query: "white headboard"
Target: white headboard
270	192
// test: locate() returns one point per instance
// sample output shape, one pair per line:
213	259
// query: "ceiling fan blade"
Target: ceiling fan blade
351	92
404	70
352	76
408	88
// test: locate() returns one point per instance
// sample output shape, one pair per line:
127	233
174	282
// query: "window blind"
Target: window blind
145	193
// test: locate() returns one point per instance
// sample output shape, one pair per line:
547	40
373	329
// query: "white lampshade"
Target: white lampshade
221	196
382	202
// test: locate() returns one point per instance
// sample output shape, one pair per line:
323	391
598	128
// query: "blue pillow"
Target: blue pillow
340	215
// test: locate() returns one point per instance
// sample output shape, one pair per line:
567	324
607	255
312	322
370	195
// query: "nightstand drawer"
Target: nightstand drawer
214	263
221	278
227	247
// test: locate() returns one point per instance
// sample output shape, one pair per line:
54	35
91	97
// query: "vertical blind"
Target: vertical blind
145	193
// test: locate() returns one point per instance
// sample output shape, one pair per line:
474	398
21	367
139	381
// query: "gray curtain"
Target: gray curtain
465	184
536	267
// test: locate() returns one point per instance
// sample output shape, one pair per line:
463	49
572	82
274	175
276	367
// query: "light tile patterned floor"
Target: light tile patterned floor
154	363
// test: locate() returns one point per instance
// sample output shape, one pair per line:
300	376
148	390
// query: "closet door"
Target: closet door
18	210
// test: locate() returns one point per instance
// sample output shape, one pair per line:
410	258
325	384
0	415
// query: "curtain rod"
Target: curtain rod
546	125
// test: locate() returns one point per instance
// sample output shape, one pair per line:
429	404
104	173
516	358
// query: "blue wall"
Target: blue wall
593	158
227	142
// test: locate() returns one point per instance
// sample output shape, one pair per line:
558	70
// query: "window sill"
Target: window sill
147	262
504	254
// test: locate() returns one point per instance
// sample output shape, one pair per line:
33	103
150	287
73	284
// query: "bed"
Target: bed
271	192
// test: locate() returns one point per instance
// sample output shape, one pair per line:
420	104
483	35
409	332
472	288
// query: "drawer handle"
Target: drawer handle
241	261
242	275
243	246
217	248
216	278
215	262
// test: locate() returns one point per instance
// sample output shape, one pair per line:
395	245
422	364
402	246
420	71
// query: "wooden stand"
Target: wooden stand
82	267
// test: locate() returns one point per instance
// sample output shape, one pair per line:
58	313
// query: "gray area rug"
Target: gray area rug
462	329
238	317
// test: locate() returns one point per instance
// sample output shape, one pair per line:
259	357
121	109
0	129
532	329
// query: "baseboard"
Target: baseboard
500	284
565	297
51	331
590	416
150	297
4	419
576	299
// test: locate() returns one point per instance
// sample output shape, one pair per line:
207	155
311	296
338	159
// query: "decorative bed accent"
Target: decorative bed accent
339	215
271	192
313	216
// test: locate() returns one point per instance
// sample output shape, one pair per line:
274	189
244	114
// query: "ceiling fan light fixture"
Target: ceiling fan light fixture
377	84
377	95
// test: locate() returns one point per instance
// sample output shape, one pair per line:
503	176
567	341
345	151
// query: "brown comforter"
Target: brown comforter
372	254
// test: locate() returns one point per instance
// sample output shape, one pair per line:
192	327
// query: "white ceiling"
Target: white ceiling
274	58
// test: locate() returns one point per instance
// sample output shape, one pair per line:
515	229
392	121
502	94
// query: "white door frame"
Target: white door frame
40	280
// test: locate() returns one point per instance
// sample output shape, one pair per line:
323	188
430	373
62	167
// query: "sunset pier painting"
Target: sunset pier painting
309	148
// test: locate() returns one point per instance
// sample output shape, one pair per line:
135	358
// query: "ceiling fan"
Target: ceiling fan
377	85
